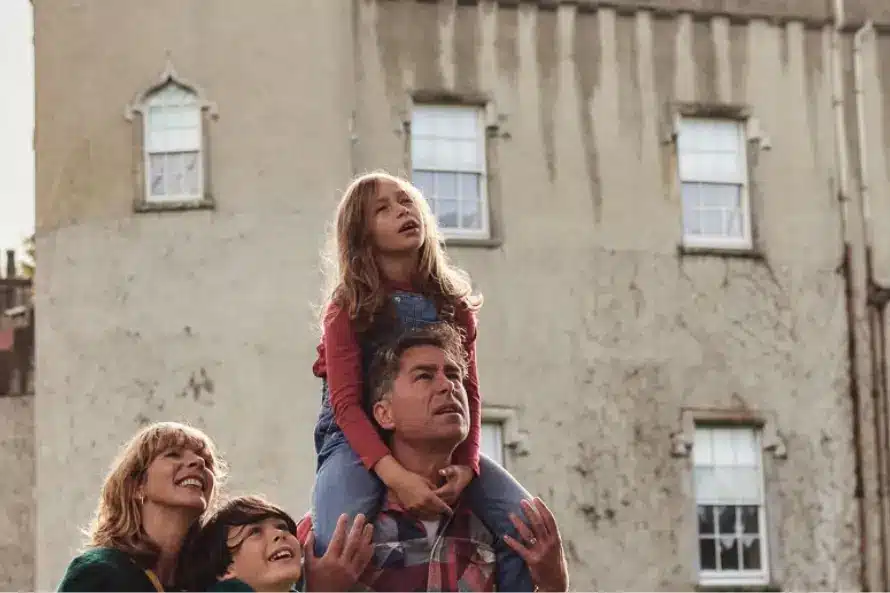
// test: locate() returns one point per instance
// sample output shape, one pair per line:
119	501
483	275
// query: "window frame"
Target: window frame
735	578
137	113
484	233
147	153
739	117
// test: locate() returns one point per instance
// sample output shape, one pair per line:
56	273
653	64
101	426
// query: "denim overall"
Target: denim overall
344	485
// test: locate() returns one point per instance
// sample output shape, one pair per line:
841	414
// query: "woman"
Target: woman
161	483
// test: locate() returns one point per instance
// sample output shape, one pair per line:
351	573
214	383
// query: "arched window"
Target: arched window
172	164
172	145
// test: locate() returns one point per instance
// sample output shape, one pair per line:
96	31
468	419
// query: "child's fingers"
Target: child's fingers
518	548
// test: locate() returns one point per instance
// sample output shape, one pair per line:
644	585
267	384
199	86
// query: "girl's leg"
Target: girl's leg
342	485
493	495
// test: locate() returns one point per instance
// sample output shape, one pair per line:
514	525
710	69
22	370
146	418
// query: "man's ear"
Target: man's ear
383	414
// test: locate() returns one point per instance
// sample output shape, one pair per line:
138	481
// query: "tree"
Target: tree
29	262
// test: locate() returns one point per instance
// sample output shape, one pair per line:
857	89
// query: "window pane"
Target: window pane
157	176
469	186
711	222
691	221
446	210
726	520
701	448
723	450
492	442
720	195
751	553
745	444
750	519
423	180
469	215
707	553
705	519
446	186
423	153
729	553
192	174
175	174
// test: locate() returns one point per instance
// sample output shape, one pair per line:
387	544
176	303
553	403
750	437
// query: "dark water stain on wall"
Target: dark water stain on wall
738	62
467	48
588	57
814	71
883	54
545	29
705	55
506	38
392	43
784	47
664	42
630	108
424	33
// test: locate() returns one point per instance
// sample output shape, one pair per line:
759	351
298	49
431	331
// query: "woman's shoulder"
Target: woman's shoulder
104	569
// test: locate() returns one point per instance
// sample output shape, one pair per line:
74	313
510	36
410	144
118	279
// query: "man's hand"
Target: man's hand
457	478
541	548
344	562
417	495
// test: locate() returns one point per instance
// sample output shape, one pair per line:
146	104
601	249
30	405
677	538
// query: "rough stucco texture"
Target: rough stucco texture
17	511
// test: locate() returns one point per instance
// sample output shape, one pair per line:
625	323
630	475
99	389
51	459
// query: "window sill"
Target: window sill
472	242
175	206
728	588
735	252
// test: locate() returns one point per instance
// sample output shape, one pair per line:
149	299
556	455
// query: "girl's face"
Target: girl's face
178	478
395	222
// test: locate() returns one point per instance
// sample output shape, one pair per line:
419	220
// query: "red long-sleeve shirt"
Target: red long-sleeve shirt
340	362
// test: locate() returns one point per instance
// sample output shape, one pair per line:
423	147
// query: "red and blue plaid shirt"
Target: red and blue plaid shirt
460	557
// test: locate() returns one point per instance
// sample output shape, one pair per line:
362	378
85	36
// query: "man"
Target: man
249	544
418	401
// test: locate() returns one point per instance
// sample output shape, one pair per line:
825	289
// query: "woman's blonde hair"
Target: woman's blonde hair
354	281
117	522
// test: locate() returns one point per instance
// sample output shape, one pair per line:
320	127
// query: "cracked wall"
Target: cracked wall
594	328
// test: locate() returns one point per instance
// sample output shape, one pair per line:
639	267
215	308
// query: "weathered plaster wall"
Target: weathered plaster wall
17	517
589	306
202	316
205	316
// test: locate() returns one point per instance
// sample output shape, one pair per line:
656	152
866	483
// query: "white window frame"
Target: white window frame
735	577
745	242
148	152
499	456
484	232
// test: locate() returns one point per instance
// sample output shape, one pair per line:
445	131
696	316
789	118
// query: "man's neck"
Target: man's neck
427	461
398	268
167	528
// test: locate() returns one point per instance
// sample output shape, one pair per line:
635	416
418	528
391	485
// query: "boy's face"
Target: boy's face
267	557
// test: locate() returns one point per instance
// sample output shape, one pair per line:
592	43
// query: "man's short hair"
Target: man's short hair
206	554
387	361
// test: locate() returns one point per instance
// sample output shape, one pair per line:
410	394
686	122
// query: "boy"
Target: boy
249	544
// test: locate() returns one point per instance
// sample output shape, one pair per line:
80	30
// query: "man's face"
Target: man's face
267	556
428	401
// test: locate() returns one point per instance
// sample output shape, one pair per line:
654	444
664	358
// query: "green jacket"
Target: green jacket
105	569
238	586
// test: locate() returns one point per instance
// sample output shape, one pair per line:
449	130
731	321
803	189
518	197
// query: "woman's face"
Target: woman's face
178	478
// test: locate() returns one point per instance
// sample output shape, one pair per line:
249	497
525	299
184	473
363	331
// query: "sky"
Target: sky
16	123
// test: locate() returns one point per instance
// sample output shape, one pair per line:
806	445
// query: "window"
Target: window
730	506
492	439
172	145
714	182
448	166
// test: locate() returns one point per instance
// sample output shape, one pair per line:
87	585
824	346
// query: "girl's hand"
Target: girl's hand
457	478
417	495
541	547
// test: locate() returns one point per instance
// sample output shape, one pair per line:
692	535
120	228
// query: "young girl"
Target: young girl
393	274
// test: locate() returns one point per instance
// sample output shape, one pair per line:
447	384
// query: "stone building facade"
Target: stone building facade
678	212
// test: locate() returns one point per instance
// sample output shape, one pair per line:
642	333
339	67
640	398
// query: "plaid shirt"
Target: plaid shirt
459	558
